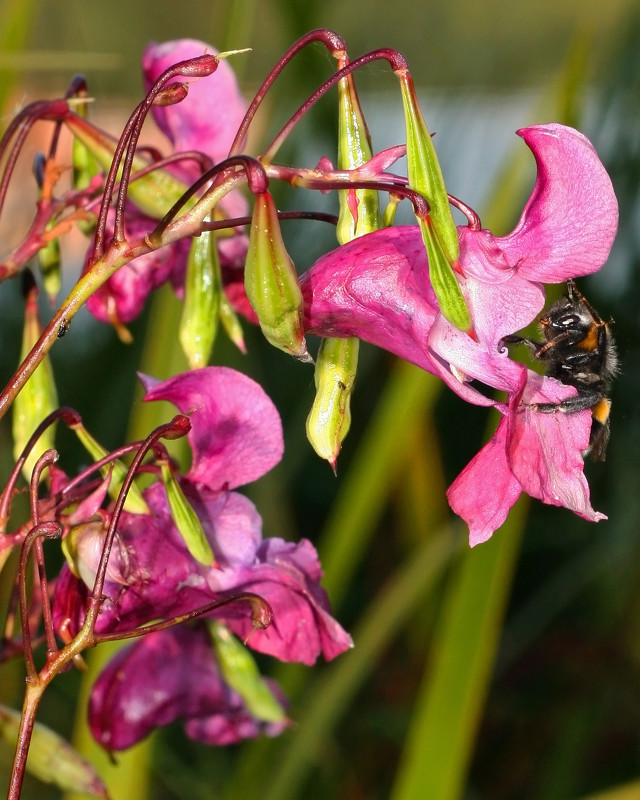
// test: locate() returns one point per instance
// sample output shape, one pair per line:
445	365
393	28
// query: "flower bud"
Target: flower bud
82	548
271	282
241	672
186	520
171	94
134	502
359	208
330	416
49	263
201	306
85	165
39	397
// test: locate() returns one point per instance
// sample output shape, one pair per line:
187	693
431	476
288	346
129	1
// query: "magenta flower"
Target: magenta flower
377	288
151	683
205	121
208	118
236	437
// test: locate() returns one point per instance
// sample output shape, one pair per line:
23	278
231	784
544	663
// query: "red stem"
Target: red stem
333	42
396	61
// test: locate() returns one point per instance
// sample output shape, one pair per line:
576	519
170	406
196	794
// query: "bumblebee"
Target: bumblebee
579	350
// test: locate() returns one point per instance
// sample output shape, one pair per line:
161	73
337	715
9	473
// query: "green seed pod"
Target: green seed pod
330	416
39	396
241	672
201	306
423	170
443	280
271	282
52	759
359	208
186	520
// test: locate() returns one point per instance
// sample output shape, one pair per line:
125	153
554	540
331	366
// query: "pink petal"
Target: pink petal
286	576
570	221
486	489
236	433
545	450
375	287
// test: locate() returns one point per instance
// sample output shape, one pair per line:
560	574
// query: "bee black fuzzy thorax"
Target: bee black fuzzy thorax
579	350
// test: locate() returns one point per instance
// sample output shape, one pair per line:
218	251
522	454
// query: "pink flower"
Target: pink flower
235	437
205	121
377	288
151	683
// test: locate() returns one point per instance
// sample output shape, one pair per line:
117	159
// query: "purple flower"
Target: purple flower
377	288
235	437
151	683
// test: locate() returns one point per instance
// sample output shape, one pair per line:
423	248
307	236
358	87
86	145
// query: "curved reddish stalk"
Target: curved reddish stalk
48	530
261	617
332	40
256	178
396	61
65	413
20	127
179	426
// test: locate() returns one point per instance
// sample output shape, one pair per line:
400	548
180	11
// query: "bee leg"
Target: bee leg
580	402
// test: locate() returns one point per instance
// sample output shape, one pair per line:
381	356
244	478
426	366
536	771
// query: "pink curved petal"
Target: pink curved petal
570	221
169	675
486	489
236	433
286	575
545	450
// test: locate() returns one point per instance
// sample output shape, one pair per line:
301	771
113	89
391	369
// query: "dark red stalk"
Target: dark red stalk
333	41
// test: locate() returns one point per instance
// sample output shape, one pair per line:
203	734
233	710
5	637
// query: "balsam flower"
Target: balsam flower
377	288
235	437
206	122
151	683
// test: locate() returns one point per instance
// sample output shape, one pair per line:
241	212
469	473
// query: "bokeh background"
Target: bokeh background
508	672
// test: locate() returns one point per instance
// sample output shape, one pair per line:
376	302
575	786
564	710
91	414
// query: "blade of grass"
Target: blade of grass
331	695
448	707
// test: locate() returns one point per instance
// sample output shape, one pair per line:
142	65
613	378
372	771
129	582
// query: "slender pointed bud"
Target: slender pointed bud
52	759
424	173
271	282
39	397
186	520
153	193
49	263
231	322
201	307
241	672
359	208
134	502
330	416
390	211
85	165
443	280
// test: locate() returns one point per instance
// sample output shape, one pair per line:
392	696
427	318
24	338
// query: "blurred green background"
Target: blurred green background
508	672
